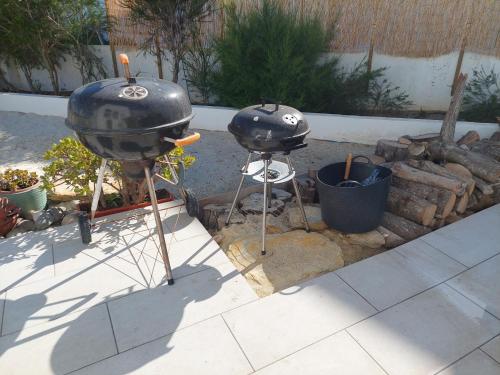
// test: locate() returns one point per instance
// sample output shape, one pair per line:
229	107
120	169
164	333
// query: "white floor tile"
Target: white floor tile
470	240
205	348
178	224
283	323
45	300
391	277
60	346
475	363
152	313
481	284
425	333
338	354
493	348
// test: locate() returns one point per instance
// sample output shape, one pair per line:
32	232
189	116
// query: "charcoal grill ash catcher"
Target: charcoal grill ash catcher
268	130
134	120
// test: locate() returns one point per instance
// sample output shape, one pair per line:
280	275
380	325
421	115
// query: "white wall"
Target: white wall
360	129
427	80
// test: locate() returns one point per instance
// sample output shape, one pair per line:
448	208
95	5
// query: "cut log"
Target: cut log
453	218
442	198
409	206
375	159
495	137
391	150
428	137
480	165
488	148
404	228
450	119
404	140
437	223
462	203
458	170
483	186
469	138
429	166
416	150
391	239
413	174
479	201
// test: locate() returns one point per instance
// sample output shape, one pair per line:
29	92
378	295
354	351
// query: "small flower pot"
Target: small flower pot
33	198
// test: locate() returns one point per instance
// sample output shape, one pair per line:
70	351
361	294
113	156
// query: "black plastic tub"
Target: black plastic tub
356	209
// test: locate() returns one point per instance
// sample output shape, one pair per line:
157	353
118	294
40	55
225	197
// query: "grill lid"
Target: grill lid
269	127
134	106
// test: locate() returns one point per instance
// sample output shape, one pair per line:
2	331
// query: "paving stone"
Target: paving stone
291	257
400	273
59	346
426	333
475	363
147	315
493	348
206	347
24	259
338	354
470	240
481	284
254	204
45	300
278	325
313	214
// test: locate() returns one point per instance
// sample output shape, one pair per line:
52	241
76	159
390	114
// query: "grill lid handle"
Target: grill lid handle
124	60
265	101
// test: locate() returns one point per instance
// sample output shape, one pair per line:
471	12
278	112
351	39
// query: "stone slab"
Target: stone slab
493	348
338	354
276	326
398	274
475	363
426	333
481	284
60	346
149	314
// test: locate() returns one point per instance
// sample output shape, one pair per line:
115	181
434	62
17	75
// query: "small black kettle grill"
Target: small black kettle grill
266	130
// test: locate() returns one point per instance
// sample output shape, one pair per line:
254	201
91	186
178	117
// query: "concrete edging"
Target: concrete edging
340	128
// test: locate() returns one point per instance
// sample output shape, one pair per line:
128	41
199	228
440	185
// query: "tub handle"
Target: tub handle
362	157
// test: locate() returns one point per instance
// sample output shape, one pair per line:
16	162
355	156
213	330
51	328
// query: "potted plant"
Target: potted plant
24	189
74	165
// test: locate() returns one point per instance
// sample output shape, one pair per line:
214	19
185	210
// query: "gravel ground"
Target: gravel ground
25	137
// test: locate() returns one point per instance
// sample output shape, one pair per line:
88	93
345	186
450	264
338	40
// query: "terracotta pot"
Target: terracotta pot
33	198
116	210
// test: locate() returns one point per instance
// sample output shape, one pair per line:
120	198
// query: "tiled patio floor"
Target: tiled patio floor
430	306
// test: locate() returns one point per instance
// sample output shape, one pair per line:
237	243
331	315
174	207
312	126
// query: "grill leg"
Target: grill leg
297	194
98	189
269	194
264	214
244	170
159	227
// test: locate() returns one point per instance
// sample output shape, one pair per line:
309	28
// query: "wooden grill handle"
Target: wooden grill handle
190	139
124	60
348	163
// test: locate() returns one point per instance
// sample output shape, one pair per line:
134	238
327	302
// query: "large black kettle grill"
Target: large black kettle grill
265	130
134	120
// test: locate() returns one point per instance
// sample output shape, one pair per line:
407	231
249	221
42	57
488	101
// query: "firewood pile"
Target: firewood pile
435	182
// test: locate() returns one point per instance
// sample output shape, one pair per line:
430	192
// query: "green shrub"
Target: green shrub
482	97
17	179
272	52
73	164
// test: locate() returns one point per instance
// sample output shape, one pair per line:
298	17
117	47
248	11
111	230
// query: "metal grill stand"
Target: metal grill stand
268	172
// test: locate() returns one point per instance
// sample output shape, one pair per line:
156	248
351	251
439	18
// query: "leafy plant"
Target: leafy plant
481	101
73	164
170	25
199	64
38	33
273	52
17	179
